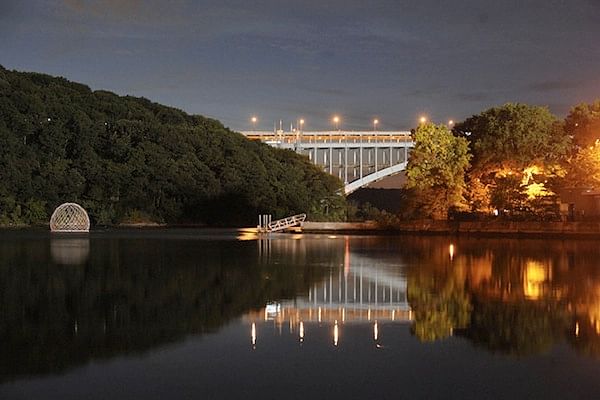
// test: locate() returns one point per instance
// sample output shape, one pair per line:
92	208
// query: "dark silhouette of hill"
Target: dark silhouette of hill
129	159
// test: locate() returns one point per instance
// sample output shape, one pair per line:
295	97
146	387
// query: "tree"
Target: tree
517	145
583	124
436	169
126	158
584	168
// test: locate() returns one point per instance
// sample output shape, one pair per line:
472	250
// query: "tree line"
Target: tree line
512	160
127	159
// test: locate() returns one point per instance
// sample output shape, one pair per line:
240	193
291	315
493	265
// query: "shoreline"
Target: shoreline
583	229
536	229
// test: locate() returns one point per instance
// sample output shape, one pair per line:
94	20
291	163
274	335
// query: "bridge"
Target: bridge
356	157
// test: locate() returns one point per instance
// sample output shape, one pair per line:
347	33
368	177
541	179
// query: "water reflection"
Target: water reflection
516	297
133	294
70	251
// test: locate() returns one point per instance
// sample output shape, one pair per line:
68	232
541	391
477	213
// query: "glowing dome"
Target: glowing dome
69	217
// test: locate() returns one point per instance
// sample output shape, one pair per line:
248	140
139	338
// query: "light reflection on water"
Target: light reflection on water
362	298
70	251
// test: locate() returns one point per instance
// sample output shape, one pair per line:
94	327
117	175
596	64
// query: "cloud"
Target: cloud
473	96
123	8
329	92
553	85
133	12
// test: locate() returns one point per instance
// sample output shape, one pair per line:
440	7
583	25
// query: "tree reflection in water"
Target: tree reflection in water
518	297
122	293
131	294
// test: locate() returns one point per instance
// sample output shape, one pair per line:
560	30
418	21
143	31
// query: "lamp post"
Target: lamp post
423	119
254	120
300	128
375	122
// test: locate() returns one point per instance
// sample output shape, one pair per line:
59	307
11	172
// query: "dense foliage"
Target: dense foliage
128	159
513	136
583	124
517	154
521	158
436	169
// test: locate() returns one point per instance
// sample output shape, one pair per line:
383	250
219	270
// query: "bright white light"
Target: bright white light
336	333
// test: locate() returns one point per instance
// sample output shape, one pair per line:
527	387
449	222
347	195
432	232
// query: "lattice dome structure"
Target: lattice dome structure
70	217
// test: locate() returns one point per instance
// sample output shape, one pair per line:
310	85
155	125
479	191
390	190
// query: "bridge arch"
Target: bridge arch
375	176
356	157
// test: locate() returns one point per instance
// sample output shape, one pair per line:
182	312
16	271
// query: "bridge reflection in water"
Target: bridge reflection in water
361	291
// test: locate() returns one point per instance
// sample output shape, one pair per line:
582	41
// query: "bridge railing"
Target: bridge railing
285	223
356	157
330	137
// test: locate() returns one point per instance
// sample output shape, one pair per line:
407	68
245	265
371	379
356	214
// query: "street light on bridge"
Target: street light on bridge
336	121
301	124
375	122
423	119
254	120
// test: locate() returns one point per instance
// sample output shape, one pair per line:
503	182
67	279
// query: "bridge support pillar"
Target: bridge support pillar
361	157
345	161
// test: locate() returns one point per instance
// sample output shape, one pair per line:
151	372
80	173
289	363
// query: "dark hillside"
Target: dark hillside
128	159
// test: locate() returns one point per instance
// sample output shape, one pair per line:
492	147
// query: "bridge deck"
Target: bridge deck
356	157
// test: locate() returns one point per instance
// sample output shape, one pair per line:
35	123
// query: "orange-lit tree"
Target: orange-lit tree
583	124
517	152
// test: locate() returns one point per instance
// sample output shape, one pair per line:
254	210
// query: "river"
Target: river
222	314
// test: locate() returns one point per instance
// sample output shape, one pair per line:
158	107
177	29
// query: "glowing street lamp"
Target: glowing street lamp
254	120
375	122
301	123
423	119
336	121
451	123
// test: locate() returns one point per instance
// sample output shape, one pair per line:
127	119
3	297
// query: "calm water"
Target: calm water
221	315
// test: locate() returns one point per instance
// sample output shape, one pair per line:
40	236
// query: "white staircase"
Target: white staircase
281	224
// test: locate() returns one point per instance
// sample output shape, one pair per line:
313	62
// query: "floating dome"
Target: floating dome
69	217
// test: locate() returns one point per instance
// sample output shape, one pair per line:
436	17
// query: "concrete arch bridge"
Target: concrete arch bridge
356	157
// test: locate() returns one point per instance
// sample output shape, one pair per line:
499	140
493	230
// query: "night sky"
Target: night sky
279	59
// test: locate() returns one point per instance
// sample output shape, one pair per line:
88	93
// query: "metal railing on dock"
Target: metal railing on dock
266	225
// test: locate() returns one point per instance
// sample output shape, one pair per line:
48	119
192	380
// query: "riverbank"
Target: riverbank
475	228
584	229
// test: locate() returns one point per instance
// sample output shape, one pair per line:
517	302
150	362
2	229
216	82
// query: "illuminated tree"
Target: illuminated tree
436	169
584	168
517	145
583	124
